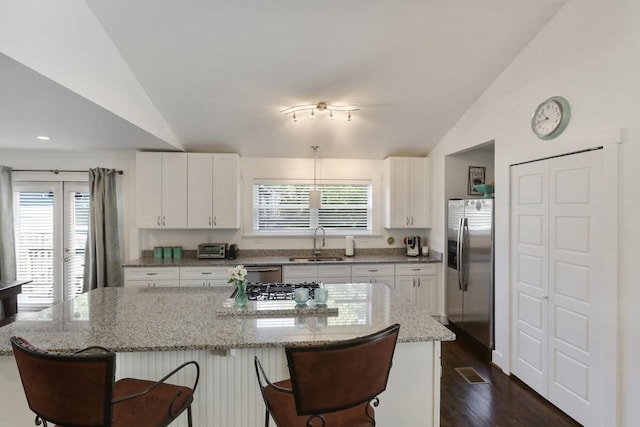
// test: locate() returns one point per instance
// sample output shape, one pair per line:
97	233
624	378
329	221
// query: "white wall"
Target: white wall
457	171
134	240
288	168
76	160
589	53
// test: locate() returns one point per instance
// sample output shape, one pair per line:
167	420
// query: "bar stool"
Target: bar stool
335	384
79	390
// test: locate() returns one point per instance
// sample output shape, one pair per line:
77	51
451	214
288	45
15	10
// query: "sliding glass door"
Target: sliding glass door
51	221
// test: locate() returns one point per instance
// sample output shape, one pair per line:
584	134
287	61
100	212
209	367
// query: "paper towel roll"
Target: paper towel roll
349	248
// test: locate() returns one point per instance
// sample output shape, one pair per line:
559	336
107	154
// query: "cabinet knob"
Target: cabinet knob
545	296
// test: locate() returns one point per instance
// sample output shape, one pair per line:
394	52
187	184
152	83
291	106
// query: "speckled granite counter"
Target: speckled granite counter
153	319
278	260
153	330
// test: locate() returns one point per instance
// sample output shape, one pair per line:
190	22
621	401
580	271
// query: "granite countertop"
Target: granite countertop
257	260
174	319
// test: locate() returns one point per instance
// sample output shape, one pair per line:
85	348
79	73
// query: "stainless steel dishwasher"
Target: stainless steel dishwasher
264	274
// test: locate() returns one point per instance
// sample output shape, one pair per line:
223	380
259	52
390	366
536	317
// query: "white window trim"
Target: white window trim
250	231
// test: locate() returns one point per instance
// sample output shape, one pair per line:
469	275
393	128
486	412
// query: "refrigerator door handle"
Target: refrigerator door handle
459	253
464	263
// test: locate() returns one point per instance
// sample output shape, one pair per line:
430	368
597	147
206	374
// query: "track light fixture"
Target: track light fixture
320	106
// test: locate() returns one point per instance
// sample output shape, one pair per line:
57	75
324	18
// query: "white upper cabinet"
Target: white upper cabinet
161	190
213	190
407	191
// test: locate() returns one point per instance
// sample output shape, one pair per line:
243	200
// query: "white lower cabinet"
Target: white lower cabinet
332	273
151	277
204	276
418	283
373	273
299	273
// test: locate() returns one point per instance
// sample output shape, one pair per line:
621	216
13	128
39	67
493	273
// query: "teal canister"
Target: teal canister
157	252
168	252
177	252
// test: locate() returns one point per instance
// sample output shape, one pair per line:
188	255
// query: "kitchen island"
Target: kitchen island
155	329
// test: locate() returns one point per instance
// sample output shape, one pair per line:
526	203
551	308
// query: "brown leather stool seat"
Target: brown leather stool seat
79	390
331	384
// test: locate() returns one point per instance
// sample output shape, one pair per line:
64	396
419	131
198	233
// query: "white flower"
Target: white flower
239	272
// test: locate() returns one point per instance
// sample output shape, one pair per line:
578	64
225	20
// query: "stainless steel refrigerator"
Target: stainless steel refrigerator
470	284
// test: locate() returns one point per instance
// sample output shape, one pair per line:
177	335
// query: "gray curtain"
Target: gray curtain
102	256
7	240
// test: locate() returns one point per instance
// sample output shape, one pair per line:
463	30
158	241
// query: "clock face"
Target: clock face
550	118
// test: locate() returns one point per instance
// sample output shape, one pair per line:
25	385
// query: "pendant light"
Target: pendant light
314	195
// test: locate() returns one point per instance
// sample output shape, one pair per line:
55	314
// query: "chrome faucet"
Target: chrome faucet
316	249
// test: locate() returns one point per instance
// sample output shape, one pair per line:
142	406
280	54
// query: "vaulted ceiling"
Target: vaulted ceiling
204	75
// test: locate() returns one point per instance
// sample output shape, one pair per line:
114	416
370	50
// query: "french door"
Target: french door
51	221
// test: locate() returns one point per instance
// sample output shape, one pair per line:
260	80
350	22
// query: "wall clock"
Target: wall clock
551	117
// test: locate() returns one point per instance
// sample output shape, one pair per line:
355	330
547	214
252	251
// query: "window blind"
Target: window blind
76	227
285	207
34	234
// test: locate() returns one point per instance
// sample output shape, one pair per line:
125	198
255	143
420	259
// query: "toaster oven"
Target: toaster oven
212	250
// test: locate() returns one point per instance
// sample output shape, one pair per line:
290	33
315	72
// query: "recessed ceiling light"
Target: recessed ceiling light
43	138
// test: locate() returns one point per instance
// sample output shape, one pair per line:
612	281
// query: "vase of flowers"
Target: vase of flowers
238	276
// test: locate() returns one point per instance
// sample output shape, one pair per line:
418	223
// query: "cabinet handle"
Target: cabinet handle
373	270
215	220
544	296
419	283
158	221
414	282
163	224
209	220
206	273
375	280
415	269
152	274
411	220
407	220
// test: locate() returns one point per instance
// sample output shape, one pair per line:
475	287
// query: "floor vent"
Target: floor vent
471	375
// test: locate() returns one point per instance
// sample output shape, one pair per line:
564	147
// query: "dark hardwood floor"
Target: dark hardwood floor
503	401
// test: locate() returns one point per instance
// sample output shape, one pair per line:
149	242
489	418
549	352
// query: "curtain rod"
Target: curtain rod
57	171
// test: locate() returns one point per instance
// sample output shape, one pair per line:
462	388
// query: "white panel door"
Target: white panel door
226	191
556	265
174	190
200	190
575	195
149	190
529	271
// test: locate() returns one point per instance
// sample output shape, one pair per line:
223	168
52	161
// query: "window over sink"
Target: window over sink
282	208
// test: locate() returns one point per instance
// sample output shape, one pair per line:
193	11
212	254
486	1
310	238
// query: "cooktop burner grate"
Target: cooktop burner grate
276	291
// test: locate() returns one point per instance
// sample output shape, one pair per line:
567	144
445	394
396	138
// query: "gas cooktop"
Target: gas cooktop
276	291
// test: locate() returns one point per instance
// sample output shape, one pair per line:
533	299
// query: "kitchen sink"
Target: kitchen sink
315	258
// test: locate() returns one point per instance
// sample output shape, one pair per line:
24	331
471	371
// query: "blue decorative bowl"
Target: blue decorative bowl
485	189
